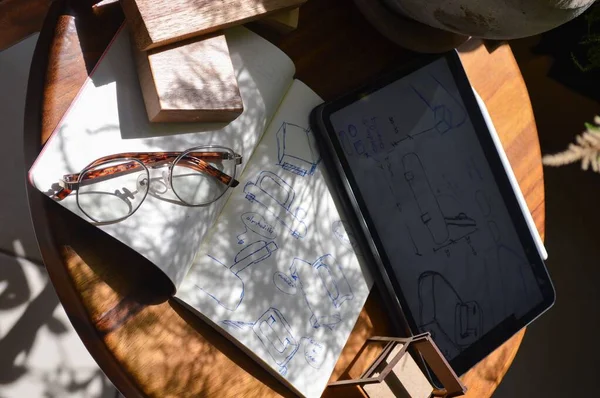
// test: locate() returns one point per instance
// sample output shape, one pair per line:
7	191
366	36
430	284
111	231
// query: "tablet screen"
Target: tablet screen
436	205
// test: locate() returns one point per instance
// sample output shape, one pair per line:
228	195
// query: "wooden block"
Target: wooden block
192	81
284	21
159	22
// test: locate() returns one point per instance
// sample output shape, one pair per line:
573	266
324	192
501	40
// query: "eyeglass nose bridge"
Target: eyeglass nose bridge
166	175
156	186
142	182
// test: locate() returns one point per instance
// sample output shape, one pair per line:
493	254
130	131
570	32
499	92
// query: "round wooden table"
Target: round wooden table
145	342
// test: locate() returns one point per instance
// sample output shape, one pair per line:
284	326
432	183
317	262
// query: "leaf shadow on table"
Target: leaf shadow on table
221	345
127	273
136	318
38	357
125	310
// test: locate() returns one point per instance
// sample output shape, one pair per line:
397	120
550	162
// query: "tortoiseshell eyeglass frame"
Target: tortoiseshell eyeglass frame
194	158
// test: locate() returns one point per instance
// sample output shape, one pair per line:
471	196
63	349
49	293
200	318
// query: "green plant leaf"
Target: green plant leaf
592	128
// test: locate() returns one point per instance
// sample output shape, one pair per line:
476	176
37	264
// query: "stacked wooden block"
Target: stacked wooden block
183	61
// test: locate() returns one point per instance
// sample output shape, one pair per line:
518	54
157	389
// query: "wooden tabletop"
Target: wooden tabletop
146	343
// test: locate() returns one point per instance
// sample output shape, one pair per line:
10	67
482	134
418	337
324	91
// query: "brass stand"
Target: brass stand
424	345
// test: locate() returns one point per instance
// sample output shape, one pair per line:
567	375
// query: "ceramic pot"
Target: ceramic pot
491	19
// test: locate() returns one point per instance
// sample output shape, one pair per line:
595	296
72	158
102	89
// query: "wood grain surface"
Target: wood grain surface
159	22
19	19
145	342
189	81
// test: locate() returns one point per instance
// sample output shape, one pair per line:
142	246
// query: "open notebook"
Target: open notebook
270	264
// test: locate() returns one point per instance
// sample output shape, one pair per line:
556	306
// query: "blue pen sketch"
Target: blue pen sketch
508	267
346	145
445	227
374	136
454	323
352	130
483	202
276	336
277	197
314	353
448	111
284	283
228	291
238	324
251	254
494	230
297	149
345	140
257	224
321	282
473	170
341	230
359	147
413	243
444	110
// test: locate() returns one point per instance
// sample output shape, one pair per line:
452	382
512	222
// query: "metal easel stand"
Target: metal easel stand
379	372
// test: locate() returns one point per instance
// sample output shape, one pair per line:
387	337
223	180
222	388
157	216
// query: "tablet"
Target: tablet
428	194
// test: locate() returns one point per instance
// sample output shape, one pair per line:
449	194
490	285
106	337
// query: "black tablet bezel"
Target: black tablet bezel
363	227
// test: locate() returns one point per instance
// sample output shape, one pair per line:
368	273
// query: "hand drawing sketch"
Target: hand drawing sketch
253	253
494	230
453	323
276	336
297	149
448	111
322	282
277	197
374	136
341	230
368	145
452	186
257	224
359	147
443	111
430	211
314	352
483	202
516	280
509	267
228	290
352	130
284	283
414	244
473	170
444	228
346	145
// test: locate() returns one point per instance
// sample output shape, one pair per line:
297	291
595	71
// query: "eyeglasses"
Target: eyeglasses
113	187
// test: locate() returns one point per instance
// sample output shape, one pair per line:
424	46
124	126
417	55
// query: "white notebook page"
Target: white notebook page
109	117
278	274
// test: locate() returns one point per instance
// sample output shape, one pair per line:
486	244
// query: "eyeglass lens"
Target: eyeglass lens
195	187
107	193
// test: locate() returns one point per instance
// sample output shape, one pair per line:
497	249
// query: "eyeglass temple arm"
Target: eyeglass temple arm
160	157
70	181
